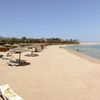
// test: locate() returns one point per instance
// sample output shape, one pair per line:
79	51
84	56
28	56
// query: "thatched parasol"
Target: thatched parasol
18	50
7	45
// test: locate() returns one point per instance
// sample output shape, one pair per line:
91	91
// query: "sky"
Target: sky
79	19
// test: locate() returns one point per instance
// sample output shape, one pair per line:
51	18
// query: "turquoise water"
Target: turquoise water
91	50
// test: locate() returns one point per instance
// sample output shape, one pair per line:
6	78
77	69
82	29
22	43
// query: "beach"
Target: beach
56	74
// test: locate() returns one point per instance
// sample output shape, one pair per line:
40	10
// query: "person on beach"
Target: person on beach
77	50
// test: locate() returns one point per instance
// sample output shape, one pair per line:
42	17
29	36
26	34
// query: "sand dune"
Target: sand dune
55	74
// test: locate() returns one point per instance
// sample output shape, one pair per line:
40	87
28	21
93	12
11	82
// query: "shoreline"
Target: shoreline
84	56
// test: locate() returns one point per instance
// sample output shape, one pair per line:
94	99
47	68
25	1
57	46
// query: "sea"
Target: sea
91	50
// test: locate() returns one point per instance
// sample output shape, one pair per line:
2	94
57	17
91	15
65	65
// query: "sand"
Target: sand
55	74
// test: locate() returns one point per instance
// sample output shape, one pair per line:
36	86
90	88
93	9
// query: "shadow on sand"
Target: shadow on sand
23	64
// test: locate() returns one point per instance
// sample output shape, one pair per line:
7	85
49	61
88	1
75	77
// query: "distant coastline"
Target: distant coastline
86	43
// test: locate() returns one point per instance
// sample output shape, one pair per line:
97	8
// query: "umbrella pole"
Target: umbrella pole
32	51
19	57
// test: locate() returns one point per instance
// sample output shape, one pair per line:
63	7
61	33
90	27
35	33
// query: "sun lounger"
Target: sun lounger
8	94
12	63
31	55
7	56
15	62
37	49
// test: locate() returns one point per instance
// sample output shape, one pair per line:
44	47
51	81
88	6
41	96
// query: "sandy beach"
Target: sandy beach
55	74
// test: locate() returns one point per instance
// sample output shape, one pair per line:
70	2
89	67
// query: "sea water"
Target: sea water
90	50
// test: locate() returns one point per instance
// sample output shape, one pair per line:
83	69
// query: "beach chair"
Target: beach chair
31	55
7	57
7	93
12	63
37	49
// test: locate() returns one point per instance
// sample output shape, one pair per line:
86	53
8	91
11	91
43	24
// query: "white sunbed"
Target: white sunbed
7	93
31	55
12	63
7	57
37	49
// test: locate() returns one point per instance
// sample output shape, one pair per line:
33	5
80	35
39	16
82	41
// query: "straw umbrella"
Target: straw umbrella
8	45
19	50
15	45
